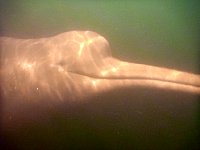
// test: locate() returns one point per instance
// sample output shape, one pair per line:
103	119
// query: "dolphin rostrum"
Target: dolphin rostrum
71	67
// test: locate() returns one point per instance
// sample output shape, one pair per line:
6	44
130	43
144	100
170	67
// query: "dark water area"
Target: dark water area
125	118
159	33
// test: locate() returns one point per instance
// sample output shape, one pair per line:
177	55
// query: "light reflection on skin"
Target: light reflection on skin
70	67
74	65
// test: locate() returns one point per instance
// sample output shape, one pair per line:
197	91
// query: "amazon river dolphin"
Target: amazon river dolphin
73	66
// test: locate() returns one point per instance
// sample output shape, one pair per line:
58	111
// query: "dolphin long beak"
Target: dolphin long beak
119	73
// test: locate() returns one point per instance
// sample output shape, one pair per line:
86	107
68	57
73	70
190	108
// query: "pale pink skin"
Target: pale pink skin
73	66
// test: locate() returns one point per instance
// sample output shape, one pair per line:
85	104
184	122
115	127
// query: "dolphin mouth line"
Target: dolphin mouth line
132	78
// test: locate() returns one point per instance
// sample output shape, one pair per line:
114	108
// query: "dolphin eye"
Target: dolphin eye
61	63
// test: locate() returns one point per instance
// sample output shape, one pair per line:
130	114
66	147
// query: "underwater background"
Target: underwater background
156	32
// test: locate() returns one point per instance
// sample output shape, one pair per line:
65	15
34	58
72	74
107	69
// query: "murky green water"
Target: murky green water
162	33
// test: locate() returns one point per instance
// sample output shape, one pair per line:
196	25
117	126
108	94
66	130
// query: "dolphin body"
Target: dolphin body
73	66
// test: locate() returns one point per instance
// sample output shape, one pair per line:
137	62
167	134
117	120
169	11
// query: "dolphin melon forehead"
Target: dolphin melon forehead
88	42
98	44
